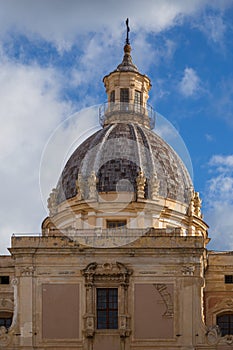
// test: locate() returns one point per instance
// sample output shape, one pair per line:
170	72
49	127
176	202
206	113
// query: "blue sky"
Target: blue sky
53	56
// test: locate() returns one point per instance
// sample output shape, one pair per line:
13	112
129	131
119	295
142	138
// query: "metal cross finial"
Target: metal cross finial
128	30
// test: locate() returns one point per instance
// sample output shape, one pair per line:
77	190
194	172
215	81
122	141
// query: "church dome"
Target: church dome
116	155
124	175
126	155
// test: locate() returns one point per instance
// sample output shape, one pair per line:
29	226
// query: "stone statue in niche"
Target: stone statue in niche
141	183
154	184
80	186
92	181
52	202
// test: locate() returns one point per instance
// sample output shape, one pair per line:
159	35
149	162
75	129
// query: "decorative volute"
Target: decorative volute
128	91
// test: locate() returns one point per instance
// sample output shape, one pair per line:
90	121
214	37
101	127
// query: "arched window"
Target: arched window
5	319
225	323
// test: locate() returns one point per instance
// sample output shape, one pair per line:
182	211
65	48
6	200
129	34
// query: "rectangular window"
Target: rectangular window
137	98
225	322
5	319
4	280
112	96
107	308
228	279
138	101
124	97
116	223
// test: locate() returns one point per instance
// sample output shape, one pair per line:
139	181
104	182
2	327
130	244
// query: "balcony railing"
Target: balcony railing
103	238
145	114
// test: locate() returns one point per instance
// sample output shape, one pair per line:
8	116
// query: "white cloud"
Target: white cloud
223	165
220	160
209	137
30	109
61	21
219	198
213	27
190	83
220	219
221	189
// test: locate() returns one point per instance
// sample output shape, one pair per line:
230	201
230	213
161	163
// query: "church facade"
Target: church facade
122	261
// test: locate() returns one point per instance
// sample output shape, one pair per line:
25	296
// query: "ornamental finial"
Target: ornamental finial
127	31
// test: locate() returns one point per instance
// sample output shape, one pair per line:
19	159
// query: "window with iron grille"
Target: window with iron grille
107	308
124	95
225	323
229	279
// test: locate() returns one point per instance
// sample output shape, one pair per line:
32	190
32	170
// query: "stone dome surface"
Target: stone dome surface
116	154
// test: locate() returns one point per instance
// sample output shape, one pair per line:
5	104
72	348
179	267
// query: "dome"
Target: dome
116	156
123	176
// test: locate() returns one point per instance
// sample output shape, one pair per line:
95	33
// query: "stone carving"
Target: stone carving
92	181
80	186
89	325
52	202
14	281
229	303
124	326
6	304
27	271
197	204
141	183
154	185
113	272
213	335
191	210
188	270
189	193
167	299
4	337
228	339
